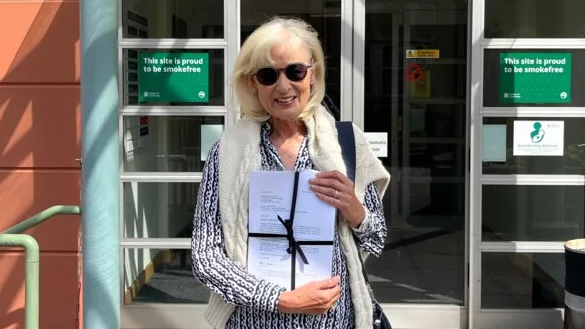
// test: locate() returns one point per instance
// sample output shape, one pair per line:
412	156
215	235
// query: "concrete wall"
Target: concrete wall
39	140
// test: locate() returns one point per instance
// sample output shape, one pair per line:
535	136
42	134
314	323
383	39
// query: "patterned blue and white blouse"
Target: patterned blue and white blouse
236	286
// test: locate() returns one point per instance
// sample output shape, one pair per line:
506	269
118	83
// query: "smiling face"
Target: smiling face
285	99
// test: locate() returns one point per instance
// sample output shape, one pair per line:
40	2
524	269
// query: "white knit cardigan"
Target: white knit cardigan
239	154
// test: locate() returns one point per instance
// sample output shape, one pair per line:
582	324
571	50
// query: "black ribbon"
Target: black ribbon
294	246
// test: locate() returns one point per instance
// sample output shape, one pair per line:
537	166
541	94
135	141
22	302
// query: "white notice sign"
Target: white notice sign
539	138
493	143
209	135
378	143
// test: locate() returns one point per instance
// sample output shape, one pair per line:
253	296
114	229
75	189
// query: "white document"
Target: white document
271	194
269	260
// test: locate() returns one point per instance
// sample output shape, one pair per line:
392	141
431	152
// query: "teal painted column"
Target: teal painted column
99	148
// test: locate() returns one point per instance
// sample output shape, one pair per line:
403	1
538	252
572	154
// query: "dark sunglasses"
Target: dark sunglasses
295	72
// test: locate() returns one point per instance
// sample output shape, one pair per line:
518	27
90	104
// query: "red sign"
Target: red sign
414	72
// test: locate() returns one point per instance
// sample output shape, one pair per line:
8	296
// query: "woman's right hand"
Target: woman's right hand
315	297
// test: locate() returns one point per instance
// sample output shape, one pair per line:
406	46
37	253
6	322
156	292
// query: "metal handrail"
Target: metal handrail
13	237
42	216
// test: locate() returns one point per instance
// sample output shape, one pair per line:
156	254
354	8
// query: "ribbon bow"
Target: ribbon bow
292	242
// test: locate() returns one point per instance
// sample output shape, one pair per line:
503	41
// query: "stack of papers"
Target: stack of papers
313	228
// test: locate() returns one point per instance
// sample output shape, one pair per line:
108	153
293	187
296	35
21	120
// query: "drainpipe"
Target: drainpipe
99	148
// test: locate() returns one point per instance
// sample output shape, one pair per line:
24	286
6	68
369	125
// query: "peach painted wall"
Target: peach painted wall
40	134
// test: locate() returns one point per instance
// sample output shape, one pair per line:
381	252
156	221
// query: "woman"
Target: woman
279	81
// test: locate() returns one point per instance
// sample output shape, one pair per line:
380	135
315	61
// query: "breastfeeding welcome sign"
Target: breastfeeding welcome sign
535	78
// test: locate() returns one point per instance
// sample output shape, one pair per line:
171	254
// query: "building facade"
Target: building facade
469	105
40	137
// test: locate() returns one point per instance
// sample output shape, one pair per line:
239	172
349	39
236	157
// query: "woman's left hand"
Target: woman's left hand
336	189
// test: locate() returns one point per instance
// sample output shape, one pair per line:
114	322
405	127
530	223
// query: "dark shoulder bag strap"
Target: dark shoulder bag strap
347	143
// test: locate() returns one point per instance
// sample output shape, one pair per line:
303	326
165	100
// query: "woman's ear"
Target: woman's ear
252	85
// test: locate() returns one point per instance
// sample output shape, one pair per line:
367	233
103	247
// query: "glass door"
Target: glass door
415	92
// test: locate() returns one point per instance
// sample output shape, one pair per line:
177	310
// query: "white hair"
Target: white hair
291	33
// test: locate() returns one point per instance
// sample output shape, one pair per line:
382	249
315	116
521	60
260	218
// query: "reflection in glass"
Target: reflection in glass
172	19
423	260
520	281
161	276
132	82
436	120
534	19
420	266
437	160
532	212
168	144
324	16
572	162
159	210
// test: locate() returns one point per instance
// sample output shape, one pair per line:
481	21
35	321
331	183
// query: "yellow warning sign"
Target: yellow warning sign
421	88
422	53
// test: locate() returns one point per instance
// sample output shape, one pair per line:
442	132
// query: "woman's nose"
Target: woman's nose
283	83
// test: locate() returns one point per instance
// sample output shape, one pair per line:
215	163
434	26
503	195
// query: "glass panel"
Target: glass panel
435	159
423	266
176	88
537	89
161	276
159	210
450	90
437	120
532	213
163	144
431	30
534	19
323	15
172	19
425	119
520	281
500	161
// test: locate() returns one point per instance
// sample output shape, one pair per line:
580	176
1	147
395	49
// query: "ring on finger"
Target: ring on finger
335	195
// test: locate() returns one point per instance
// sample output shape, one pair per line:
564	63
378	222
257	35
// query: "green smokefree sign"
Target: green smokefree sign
173	77
535	78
